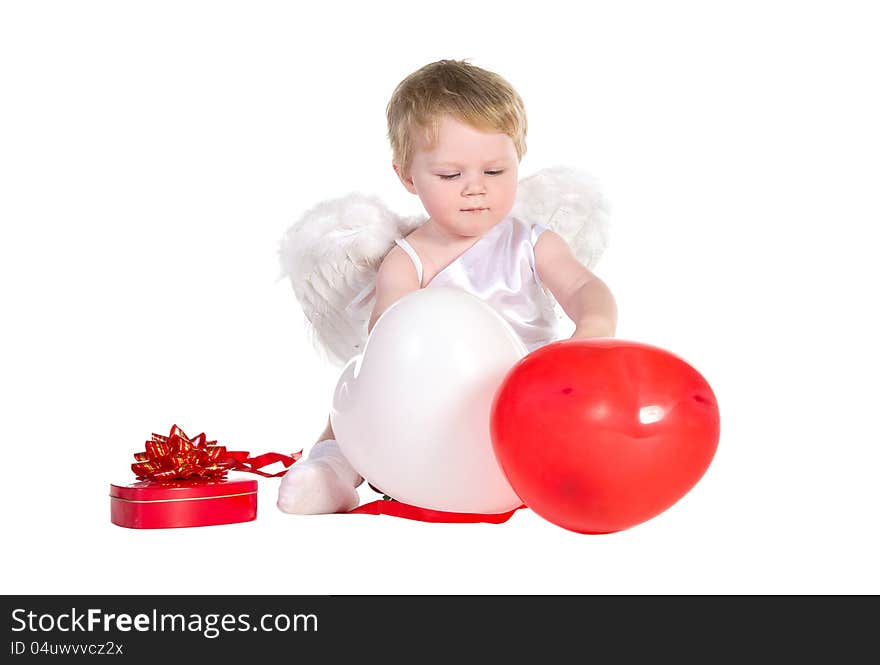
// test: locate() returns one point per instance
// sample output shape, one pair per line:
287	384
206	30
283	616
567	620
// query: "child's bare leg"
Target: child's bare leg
322	483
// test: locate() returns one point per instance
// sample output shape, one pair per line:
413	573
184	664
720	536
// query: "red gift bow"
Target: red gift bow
177	457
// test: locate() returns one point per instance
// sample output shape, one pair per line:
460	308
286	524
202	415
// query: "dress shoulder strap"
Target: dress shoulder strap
406	247
536	232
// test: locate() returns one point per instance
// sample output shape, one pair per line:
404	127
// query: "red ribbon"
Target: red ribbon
410	512
177	457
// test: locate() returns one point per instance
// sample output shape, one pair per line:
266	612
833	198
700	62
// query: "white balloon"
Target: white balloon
412	412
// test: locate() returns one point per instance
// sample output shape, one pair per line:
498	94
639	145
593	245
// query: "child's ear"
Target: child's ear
405	179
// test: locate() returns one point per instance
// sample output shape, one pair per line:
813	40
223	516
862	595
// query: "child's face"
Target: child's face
467	180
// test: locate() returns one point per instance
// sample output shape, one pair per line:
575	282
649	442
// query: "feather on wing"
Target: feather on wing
331	255
569	202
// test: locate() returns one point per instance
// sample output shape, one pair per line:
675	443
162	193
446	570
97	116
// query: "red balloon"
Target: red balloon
598	435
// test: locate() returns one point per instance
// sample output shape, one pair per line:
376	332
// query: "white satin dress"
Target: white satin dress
500	269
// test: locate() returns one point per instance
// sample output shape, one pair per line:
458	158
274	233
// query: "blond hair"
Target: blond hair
456	88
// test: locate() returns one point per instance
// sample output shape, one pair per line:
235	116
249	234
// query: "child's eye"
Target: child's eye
450	176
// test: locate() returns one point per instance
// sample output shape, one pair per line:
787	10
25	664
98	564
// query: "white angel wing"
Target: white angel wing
569	202
331	255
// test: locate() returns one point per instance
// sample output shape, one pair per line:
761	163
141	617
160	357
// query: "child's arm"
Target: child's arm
396	277
583	296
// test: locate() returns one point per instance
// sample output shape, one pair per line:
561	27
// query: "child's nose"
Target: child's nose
474	185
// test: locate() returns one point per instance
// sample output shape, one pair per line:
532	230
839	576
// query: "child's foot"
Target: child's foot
324	483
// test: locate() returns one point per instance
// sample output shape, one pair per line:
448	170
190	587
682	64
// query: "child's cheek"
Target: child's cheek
434	202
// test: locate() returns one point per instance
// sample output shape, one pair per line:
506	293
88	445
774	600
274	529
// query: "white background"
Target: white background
152	154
